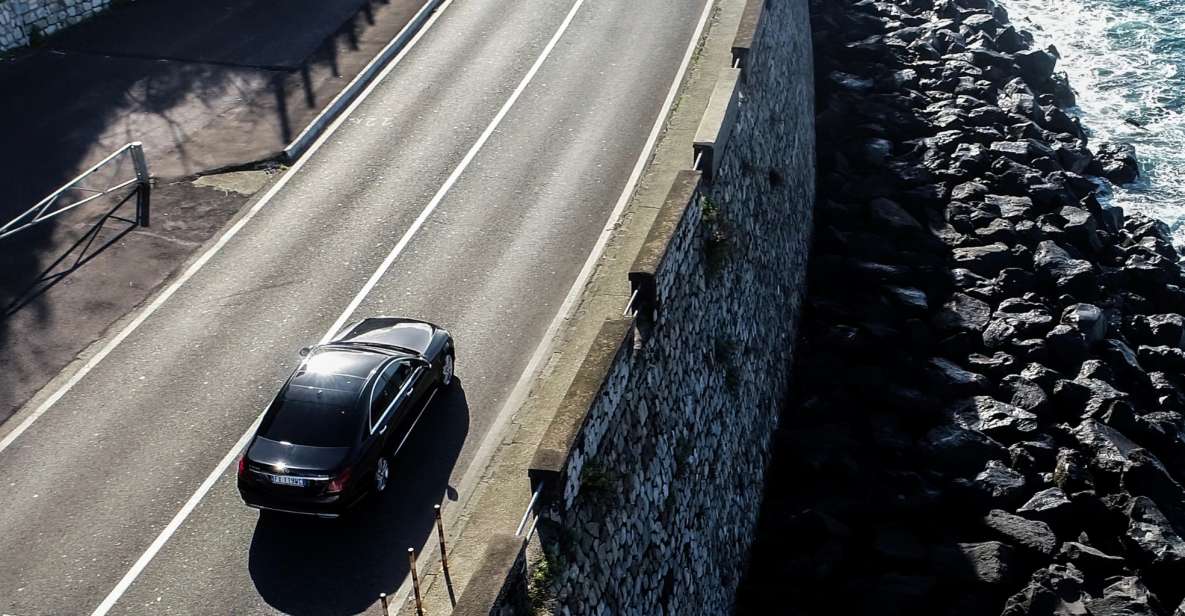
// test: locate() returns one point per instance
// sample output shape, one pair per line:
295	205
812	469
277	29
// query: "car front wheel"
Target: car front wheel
382	473
446	370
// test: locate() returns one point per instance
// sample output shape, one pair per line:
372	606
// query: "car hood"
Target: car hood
404	333
266	452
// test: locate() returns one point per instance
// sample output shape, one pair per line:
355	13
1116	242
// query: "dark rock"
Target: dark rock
908	299
1014	281
1117	162
954	380
1160	330
1087	320
998	364
1025	394
1125	597
960	449
1036	65
1044	376
1152	538
1109	448
999	485
1032	458
963	312
1091	561
968	192
888	214
1162	358
1071	473
1032	535
984	260
1067	274
991	561
1067	345
1002	422
1049	505
1012	208
1054	591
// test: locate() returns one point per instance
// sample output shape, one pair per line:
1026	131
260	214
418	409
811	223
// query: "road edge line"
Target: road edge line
317	127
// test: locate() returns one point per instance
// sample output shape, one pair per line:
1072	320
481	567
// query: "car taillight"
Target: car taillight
242	465
337	484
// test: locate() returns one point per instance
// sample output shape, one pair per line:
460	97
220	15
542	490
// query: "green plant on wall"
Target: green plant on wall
715	237
596	480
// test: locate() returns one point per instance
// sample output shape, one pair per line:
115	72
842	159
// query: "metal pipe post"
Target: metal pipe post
383	600
448	579
144	191
415	580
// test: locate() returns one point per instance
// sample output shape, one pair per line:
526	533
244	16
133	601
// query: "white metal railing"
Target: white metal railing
46	208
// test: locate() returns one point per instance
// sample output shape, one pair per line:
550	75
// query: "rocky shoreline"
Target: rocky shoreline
987	409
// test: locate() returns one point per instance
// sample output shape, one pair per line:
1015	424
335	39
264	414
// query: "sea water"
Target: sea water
1126	61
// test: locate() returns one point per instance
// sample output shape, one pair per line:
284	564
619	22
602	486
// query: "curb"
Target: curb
343	99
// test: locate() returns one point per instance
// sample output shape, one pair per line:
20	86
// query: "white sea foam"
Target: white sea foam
1126	61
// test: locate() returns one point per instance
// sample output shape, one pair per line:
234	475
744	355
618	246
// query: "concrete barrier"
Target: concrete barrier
712	137
361	81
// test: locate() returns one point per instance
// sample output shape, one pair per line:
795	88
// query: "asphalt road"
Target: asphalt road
91	484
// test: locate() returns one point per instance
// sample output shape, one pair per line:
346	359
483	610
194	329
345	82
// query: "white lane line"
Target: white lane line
229	458
481	459
193	269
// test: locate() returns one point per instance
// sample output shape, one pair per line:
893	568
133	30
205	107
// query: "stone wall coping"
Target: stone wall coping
551	456
654	249
716	127
746	33
488	583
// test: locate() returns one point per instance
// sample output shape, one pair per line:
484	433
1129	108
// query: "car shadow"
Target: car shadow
303	565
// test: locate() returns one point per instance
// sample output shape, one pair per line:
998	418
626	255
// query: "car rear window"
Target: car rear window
319	412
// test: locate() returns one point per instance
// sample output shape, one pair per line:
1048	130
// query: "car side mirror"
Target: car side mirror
304	351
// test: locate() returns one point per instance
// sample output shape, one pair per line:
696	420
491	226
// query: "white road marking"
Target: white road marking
544	349
229	458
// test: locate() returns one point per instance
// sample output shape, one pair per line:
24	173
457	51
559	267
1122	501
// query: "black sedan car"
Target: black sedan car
328	438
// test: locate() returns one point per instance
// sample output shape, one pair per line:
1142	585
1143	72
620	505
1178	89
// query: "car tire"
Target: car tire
382	475
448	369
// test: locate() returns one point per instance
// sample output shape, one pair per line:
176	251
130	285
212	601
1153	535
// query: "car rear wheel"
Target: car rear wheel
382	473
446	371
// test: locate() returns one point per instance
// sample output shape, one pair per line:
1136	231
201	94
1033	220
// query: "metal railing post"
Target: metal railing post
144	191
415	580
383	600
448	579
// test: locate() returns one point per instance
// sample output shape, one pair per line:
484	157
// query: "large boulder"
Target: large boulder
1117	162
1054	591
1032	535
1066	273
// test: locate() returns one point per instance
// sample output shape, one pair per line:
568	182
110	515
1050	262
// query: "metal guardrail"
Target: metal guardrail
48	208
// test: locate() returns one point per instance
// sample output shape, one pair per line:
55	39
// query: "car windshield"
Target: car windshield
320	408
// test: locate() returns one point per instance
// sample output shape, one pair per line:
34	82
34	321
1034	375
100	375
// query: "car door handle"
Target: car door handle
383	429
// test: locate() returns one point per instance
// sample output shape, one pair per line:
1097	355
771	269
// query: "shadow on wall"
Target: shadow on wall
309	566
860	515
160	72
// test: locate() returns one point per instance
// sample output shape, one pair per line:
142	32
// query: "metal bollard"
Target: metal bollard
383	600
448	579
144	187
415	580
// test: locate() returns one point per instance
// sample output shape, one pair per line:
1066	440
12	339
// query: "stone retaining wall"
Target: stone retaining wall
24	21
653	469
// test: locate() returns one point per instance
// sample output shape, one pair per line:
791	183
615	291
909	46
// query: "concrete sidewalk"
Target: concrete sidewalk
207	87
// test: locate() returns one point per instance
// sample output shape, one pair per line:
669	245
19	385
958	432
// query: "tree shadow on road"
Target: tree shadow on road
310	566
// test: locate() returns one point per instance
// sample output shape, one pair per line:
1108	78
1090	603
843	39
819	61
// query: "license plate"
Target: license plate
284	480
